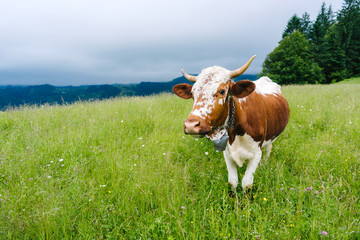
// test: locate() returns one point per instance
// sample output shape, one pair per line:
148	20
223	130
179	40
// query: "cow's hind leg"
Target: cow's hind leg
253	163
267	148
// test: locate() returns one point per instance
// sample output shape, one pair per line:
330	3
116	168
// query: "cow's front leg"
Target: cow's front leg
248	178
232	170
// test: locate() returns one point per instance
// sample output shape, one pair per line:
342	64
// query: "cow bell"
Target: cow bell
220	144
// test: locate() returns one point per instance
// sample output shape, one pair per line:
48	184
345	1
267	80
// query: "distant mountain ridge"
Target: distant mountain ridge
13	96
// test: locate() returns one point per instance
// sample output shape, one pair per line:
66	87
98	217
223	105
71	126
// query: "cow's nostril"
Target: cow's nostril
195	127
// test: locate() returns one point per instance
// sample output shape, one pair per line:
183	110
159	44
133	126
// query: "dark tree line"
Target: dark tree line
13	96
322	51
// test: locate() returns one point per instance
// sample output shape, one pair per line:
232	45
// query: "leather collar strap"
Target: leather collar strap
231	117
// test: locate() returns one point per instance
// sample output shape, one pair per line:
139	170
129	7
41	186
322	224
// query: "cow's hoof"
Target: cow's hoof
247	183
232	194
248	192
232	190
247	188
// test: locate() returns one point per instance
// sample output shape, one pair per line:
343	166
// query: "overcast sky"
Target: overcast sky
82	42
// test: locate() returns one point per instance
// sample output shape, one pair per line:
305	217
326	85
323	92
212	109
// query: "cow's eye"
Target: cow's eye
222	91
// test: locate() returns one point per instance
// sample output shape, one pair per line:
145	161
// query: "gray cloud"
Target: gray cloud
93	42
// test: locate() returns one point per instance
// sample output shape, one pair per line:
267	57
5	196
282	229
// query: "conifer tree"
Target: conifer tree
335	69
319	44
348	30
295	23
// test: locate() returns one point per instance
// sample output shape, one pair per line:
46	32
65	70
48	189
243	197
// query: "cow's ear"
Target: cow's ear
183	90
242	89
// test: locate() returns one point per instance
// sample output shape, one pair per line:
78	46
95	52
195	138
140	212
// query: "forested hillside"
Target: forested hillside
19	95
322	51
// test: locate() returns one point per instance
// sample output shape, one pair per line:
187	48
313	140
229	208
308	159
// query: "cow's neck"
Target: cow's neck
221	131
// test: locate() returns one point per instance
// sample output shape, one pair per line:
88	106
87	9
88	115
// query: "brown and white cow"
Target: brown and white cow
251	114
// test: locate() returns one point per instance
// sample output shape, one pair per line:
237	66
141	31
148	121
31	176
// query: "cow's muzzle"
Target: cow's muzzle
196	127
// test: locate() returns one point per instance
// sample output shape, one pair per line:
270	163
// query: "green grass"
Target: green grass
123	169
355	80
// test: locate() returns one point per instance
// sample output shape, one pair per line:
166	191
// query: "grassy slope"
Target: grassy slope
129	172
355	80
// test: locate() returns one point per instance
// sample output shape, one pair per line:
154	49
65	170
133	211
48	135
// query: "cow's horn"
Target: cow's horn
188	76
241	70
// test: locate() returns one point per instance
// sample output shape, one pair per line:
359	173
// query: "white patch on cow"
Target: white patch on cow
244	148
208	81
264	85
202	111
206	86
221	101
217	134
242	100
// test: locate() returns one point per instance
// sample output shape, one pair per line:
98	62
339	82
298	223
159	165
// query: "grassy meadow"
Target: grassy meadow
123	169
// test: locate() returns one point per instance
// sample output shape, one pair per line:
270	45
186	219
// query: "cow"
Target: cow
240	118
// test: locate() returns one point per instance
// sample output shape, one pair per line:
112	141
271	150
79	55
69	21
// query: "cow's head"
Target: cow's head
211	93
